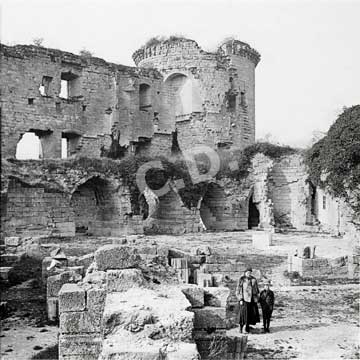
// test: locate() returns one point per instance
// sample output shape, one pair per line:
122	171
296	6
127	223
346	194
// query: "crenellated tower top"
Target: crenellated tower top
183	46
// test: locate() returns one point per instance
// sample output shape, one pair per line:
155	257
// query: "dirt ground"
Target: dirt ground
309	322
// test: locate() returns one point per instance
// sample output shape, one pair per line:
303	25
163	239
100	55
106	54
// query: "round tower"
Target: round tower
208	98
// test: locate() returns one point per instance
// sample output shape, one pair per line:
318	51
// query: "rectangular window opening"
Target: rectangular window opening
64	148
70	86
45	86
242	98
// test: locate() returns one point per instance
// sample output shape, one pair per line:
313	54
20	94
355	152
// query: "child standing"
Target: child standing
267	304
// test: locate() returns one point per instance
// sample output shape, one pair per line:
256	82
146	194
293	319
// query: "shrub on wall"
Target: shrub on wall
236	164
334	161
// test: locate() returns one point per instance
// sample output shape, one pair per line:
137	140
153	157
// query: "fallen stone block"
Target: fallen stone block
194	294
95	277
4	273
95	299
226	346
261	239
163	312
117	257
122	280
182	351
55	282
77	322
85	261
210	318
7	259
12	241
77	269
123	347
71	298
80	345
217	279
203	279
216	296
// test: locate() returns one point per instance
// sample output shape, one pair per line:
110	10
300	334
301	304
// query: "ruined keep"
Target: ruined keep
177	90
178	97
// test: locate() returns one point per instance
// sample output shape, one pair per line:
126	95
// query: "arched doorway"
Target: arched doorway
95	207
29	147
254	214
144	207
312	213
212	207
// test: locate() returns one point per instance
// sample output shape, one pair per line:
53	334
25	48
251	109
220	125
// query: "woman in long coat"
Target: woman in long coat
247	292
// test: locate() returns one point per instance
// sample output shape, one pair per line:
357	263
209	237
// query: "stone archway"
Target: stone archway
96	210
212	208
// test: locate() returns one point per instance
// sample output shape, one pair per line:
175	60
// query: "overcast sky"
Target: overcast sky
310	66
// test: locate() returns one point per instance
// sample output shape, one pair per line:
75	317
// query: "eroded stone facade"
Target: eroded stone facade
206	98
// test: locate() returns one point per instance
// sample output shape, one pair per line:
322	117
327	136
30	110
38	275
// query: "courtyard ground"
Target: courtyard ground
309	322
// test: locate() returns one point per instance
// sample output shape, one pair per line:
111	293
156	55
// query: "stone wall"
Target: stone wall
99	94
95	207
224	205
88	102
289	192
323	267
37	211
173	217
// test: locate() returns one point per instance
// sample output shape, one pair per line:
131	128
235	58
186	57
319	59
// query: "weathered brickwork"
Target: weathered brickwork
96	207
288	191
57	95
102	98
214	92
36	211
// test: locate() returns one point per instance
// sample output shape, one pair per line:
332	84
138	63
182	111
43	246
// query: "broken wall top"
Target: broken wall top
55	55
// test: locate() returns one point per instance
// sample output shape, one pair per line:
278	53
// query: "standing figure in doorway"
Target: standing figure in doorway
247	292
267	305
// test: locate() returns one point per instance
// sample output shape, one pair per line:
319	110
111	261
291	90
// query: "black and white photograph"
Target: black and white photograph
180	179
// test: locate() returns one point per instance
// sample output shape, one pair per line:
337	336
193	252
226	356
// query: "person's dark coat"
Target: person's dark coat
267	306
267	300
248	311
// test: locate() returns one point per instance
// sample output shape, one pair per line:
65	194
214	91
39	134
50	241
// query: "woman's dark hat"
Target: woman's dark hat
248	268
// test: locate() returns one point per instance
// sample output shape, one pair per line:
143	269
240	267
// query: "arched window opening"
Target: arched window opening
29	147
144	97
